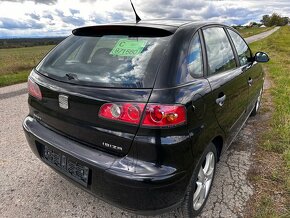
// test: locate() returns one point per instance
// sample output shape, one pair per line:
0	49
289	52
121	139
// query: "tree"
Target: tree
285	20
265	20
274	20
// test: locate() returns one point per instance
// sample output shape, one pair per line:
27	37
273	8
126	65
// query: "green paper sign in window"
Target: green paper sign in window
127	47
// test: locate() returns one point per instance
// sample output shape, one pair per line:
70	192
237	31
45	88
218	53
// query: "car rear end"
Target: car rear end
90	120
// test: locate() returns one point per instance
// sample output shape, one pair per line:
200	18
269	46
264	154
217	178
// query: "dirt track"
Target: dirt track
261	35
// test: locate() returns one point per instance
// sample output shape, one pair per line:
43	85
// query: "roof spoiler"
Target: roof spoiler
131	30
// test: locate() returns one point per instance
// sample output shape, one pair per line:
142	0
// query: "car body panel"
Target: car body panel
232	114
81	121
152	171
113	178
255	73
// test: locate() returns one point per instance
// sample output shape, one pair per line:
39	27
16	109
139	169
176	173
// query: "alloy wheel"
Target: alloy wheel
204	181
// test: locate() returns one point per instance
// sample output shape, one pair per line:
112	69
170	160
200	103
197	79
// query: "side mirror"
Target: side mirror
261	57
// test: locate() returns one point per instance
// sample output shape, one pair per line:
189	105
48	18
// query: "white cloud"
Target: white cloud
54	17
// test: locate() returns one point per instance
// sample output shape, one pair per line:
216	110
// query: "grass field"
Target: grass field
16	63
253	31
276	140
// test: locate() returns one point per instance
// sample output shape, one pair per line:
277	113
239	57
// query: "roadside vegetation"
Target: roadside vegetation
274	20
271	175
267	22
16	63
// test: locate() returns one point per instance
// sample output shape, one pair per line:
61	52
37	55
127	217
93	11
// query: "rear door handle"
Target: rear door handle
221	100
250	81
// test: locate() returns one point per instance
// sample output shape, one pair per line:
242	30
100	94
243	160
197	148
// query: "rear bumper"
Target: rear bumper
111	178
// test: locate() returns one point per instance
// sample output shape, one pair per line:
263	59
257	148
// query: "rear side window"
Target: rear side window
106	61
194	58
242	48
219	52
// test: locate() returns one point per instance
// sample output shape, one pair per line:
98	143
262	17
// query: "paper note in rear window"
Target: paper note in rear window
127	47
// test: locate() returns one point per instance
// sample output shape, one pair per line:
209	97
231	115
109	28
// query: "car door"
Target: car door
253	72
229	89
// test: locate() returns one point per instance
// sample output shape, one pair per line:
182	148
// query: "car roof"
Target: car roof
167	22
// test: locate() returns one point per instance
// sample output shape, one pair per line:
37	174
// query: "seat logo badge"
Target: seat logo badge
63	101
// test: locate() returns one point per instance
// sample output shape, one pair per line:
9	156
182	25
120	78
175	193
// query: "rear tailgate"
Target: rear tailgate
81	121
94	66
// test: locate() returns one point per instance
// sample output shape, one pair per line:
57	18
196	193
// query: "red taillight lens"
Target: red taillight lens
164	115
123	112
156	115
33	89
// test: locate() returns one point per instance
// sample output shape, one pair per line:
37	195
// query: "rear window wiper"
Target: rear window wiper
71	76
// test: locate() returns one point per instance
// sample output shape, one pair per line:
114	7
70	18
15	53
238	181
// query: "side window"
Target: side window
194	58
243	49
219	52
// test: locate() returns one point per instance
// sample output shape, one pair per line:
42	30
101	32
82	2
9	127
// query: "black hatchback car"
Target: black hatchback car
139	114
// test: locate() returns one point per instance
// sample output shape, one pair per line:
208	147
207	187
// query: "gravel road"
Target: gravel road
261	35
28	188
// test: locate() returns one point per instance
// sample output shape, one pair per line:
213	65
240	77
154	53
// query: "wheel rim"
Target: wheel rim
204	180
258	101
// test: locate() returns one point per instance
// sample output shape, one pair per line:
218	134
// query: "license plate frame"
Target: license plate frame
63	163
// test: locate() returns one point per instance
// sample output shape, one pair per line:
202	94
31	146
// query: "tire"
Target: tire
257	104
200	183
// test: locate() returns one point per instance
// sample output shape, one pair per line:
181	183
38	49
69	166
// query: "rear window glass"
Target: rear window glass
106	61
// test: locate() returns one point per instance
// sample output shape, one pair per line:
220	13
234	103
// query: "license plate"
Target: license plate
66	165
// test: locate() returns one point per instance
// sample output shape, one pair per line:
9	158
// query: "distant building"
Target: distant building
251	24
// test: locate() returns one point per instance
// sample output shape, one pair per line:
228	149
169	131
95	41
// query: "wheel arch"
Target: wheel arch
218	142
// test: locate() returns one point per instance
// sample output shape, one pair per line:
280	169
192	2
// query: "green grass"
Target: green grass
277	138
278	47
250	31
16	63
13	78
265	208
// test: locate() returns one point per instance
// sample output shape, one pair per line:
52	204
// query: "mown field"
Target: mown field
16	63
274	146
253	31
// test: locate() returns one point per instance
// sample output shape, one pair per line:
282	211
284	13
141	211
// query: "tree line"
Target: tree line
274	20
28	42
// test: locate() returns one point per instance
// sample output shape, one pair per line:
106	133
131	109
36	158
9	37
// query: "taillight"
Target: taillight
164	115
156	115
123	112
33	89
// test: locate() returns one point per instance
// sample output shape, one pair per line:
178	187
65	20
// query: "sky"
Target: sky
44	18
